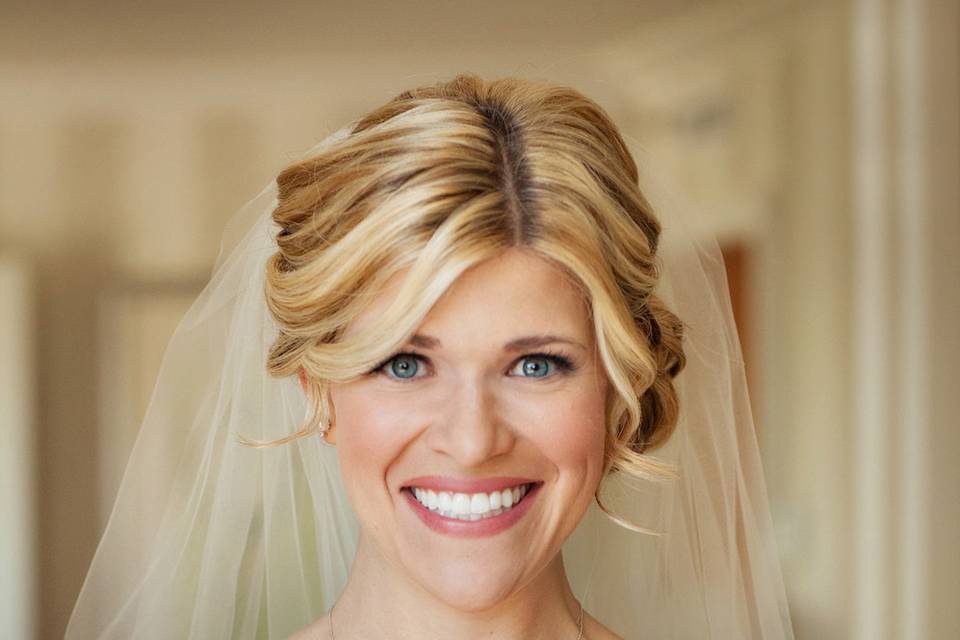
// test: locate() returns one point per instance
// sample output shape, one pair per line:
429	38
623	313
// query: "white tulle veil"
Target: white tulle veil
238	542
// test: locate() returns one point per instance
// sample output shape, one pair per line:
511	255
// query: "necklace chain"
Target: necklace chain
579	623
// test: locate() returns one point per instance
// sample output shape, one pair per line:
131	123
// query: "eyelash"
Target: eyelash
562	362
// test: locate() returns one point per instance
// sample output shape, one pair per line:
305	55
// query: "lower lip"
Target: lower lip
473	528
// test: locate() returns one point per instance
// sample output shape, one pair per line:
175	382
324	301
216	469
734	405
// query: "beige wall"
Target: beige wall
119	164
18	523
905	145
941	494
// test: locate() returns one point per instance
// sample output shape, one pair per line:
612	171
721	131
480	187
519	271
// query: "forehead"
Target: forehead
515	291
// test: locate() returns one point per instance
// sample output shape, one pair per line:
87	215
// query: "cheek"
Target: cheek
372	430
569	430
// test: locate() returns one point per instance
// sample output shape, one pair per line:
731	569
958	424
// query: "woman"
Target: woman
465	284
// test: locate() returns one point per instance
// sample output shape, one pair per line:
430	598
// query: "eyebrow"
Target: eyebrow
517	344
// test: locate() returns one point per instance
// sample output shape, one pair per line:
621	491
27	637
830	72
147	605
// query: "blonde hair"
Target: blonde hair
443	177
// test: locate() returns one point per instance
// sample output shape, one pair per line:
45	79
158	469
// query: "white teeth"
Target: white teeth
479	503
471	507
461	504
446	501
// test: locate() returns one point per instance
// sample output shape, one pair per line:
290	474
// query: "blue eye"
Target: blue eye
541	365
402	366
409	366
535	366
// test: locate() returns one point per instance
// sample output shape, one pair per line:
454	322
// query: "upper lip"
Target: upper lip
467	485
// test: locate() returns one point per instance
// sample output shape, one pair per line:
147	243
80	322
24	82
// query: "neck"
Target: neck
380	601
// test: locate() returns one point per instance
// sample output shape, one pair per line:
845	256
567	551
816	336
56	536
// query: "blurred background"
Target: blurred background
818	140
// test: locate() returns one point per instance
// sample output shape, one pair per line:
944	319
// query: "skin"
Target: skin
472	410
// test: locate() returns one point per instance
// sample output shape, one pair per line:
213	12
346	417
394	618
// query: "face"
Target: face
472	454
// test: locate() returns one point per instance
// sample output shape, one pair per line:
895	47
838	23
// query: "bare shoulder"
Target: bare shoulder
319	630
594	630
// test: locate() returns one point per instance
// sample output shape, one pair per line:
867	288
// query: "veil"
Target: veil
209	538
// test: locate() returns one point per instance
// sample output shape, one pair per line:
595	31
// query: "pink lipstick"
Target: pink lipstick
470	507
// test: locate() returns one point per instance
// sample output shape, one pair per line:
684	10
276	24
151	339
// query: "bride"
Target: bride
449	381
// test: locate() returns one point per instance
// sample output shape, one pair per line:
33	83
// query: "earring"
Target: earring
307	418
323	434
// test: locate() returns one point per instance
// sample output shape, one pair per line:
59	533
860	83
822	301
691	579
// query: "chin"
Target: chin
477	588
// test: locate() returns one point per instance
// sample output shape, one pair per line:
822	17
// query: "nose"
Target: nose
469	429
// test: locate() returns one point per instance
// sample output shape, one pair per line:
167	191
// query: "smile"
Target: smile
470	506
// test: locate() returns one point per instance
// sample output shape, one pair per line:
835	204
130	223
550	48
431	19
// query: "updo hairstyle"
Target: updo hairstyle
443	177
